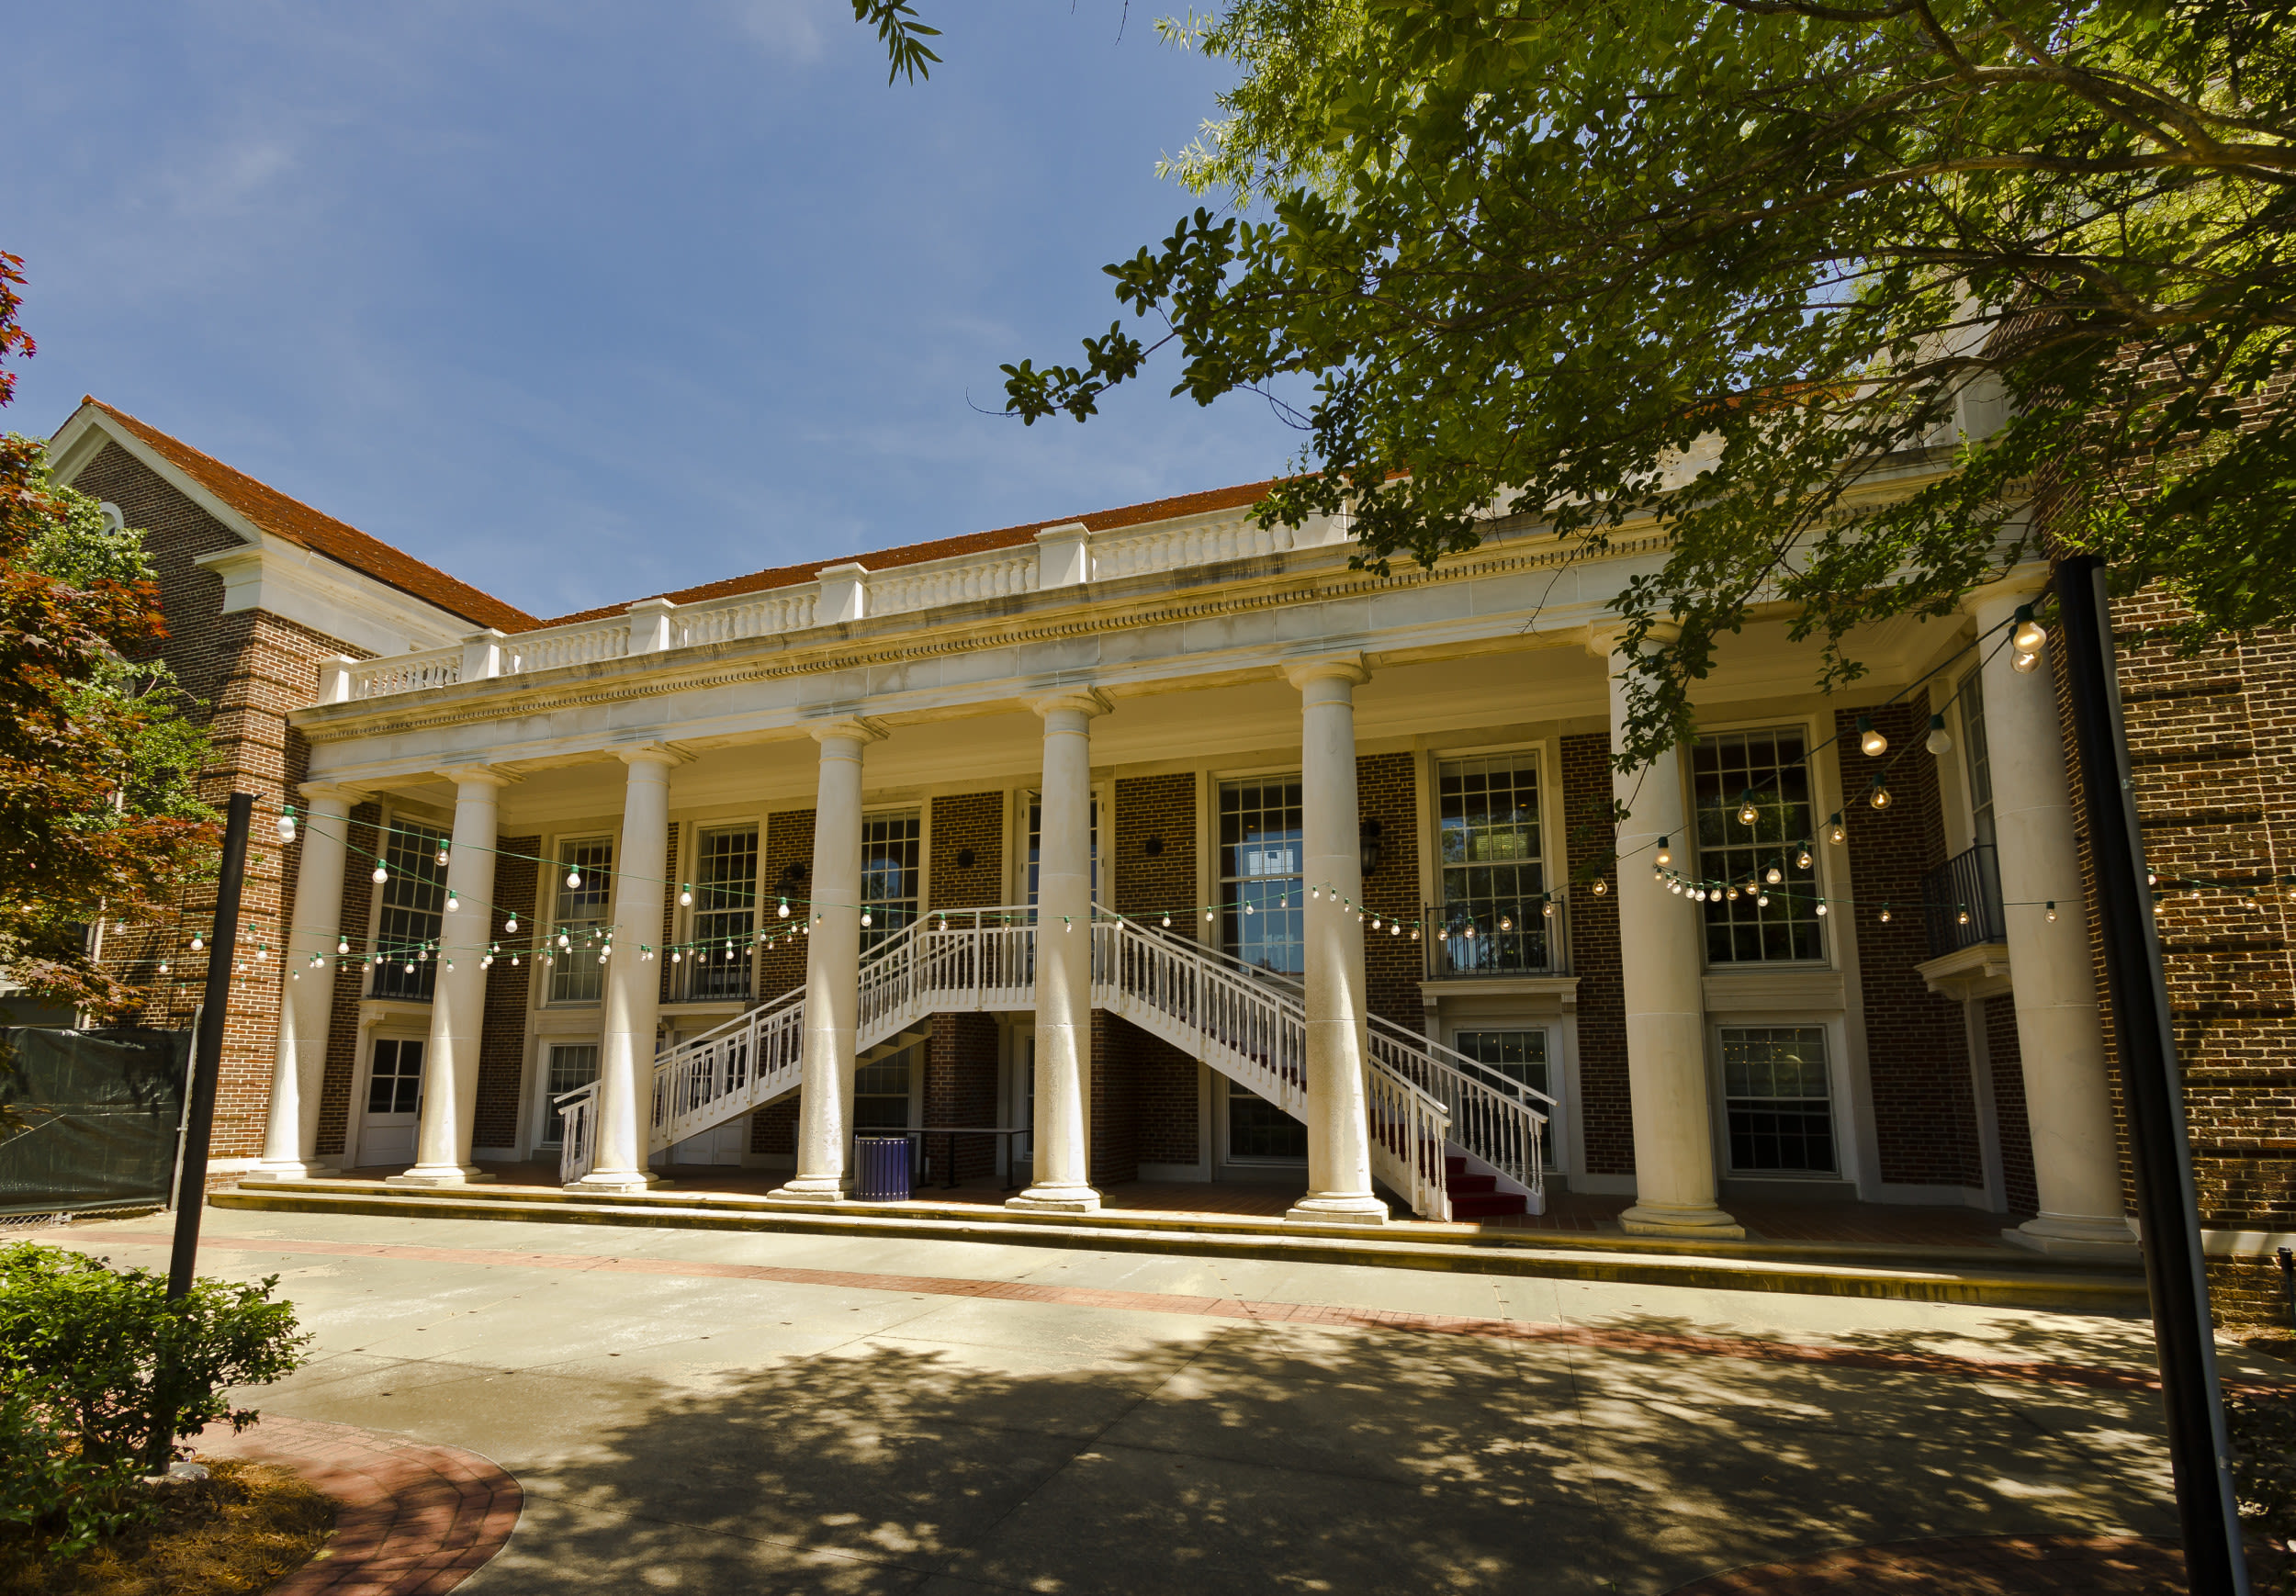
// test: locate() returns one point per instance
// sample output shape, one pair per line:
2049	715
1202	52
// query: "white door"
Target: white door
394	1104
720	1144
570	1064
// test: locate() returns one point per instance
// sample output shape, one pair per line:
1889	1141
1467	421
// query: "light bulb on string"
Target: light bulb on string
1665	855
1884	914
573	878
1167	922
2024	664
343	944
1208	917
2050	915
442	853
1732	894
1547	911
454	903
1761	900
1836	833
1802	860
1675	887
1871	740
685	897
198	942
1774	875
1507	922
1247	908
1963	918
2029	635
1938	742
677	958
781	913
865	918
1880	797
510	927
286	826
1747	813
1601	886
1821	906
381	875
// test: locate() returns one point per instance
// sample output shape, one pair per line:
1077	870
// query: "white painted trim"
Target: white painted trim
330	598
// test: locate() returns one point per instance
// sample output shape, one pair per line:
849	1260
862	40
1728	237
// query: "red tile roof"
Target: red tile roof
272	511
1240	497
298	523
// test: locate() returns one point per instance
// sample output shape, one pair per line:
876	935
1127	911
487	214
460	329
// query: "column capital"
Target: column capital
2015	586
667	755
467	775
860	728
1084	700
1604	639
1347	667
314	792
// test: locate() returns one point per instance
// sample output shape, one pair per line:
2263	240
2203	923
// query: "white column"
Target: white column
1060	1177
2060	1035
825	1104
1338	1039
458	993
1664	994
290	1144
633	983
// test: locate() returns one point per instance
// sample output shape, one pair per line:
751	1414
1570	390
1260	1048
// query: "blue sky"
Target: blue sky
582	300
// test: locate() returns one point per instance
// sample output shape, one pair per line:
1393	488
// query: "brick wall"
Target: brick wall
1606	1105
1917	1045
362	842
502	1030
1387	792
960	1089
2004	1062
1115	1108
1163	808
1167	1102
964	821
668	915
246	671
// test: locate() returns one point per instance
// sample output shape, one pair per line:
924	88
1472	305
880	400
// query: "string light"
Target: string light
1167	922
1938	742
573	878
2024	664
1802	860
381	875
1665	855
1601	886
1884	914
1774	875
286	826
196	943
1747	813
782	912
1836	833
442	853
685	897
454	903
2029	635
1871	740
1880	799
2052	916
1821	906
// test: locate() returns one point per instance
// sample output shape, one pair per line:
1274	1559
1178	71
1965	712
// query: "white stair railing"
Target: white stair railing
1421	1098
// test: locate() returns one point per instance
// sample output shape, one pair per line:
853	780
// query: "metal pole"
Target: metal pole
191	1184
2168	1214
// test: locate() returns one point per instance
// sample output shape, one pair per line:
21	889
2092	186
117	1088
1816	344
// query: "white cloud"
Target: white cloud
785	29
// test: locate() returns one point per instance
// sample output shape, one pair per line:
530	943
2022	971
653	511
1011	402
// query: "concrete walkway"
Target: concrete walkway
694	1410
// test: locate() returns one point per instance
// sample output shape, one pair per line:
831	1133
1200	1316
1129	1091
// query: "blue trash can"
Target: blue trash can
881	1169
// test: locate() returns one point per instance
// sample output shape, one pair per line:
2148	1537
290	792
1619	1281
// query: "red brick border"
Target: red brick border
411	1520
1967	1566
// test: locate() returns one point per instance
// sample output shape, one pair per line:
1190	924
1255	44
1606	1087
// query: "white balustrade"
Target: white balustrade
1424	1099
406	672
585	643
578	1130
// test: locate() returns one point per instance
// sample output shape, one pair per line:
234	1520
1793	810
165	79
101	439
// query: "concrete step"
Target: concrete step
1912	1274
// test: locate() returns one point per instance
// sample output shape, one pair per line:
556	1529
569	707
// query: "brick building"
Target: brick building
1200	857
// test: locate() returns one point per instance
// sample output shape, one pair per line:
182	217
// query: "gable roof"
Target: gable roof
272	511
1242	496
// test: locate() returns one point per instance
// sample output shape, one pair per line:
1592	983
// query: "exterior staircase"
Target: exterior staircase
1478	1197
1429	1107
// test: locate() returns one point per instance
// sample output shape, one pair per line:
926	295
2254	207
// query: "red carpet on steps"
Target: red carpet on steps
1478	1197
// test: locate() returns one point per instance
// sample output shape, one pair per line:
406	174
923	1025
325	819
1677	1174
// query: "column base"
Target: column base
812	1188
2099	1239
439	1174
1706	1224
1056	1199
616	1182
1322	1209
269	1172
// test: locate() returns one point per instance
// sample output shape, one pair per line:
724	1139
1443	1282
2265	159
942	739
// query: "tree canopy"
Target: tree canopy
98	815
1734	263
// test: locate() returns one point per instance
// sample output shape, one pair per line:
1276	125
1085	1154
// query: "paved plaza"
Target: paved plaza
708	1412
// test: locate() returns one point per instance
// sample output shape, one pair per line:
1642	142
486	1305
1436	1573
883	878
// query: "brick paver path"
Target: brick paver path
411	1520
1971	1566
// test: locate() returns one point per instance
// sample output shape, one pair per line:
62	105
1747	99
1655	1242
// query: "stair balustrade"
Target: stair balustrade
1422	1097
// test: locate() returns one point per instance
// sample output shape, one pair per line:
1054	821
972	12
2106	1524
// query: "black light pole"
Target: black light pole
191	1183
2199	1448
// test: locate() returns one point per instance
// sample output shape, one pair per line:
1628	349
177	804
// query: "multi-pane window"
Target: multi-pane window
1980	756
414	907
584	906
1775	1093
881	1093
572	1065
395	1084
1260	862
1260	1133
1751	918
725	914
892	850
1036	832
1487	830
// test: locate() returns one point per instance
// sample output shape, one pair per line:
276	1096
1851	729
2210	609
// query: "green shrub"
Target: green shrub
100	1375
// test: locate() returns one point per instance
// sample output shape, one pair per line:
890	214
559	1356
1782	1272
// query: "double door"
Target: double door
394	1102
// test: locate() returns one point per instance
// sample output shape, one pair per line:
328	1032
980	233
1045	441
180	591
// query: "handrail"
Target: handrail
1420	1096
